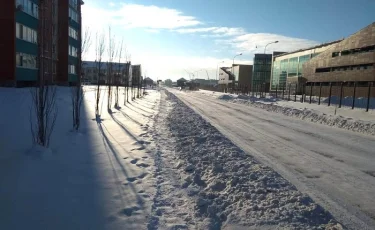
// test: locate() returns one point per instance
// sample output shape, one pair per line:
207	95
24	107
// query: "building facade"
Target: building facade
120	71
21	55
348	62
242	75
261	71
225	78
287	67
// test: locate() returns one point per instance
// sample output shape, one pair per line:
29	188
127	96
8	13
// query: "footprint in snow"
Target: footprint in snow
132	179
142	165
143	175
129	211
134	161
139	148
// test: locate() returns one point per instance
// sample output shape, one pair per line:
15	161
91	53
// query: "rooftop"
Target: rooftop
310	48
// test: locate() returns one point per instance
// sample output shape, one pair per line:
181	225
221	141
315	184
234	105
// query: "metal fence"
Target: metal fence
342	94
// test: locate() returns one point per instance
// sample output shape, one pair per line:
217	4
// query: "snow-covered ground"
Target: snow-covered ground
185	162
98	178
333	166
357	120
207	182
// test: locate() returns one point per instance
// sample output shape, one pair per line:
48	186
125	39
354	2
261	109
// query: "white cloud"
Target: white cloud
213	31
249	42
112	4
137	16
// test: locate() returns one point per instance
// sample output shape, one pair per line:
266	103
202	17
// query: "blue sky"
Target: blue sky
170	37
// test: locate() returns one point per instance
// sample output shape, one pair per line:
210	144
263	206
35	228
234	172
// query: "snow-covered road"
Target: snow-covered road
335	167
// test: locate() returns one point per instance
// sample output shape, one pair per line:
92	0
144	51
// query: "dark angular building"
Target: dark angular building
19	45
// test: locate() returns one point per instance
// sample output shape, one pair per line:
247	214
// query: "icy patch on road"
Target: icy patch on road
366	127
216	185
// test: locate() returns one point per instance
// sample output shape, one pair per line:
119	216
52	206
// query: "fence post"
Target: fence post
276	91
283	91
295	93
311	87
303	92
341	87
330	94
290	86
256	90
353	102
368	96
320	92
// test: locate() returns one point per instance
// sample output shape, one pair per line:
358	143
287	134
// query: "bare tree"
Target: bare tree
100	48
77	90
110	72
44	95
118	74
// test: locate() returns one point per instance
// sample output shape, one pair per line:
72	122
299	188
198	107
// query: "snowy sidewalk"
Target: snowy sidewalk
99	178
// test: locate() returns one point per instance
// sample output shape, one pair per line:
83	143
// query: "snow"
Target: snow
180	161
220	186
332	166
357	120
97	178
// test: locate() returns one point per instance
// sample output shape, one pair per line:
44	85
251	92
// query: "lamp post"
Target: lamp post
234	77
269	44
217	67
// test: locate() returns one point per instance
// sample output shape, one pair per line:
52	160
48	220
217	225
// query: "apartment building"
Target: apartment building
60	34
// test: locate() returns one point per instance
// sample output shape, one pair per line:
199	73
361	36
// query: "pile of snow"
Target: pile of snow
212	184
271	105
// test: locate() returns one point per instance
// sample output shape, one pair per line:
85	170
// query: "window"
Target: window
73	3
335	54
18	30
354	51
73	33
73	15
28	7
72	69
73	51
25	33
26	60
322	70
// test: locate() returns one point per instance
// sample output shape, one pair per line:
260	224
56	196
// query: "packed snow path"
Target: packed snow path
335	167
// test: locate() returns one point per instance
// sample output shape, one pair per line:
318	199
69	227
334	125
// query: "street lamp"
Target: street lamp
234	77
269	44
217	67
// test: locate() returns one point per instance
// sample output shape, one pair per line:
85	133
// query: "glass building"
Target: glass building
261	71
287	67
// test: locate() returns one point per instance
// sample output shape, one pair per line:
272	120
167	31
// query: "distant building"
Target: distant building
181	82
345	63
168	82
148	81
206	82
225	78
287	67
262	66
136	75
90	71
243	75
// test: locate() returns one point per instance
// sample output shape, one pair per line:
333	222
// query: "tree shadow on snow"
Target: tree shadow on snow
118	158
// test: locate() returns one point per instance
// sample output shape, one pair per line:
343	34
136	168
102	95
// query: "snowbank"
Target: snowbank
223	187
308	114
